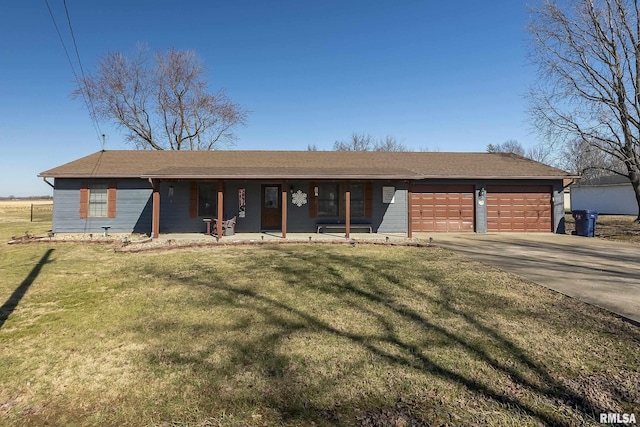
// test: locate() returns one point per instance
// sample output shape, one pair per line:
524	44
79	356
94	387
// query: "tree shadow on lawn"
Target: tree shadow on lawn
10	305
380	295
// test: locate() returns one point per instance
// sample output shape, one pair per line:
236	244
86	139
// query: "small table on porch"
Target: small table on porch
208	222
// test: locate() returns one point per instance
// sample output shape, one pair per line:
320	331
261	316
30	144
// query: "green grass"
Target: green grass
296	335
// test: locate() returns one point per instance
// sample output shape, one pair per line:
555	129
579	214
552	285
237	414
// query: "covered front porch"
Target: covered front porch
263	209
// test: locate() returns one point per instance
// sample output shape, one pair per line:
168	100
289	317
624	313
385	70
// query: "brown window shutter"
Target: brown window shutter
313	200
368	199
84	200
193	201
111	199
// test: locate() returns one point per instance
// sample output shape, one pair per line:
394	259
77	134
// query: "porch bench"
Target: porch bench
341	224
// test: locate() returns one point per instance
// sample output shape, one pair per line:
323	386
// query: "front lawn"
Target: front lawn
295	335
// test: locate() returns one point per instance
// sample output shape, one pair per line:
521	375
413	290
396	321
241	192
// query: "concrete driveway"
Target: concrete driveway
599	272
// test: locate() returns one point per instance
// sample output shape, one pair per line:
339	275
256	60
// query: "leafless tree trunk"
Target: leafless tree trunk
588	54
162	101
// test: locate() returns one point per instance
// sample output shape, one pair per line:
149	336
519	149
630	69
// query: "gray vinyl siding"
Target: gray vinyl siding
253	202
390	217
558	208
298	220
480	219
174	209
133	207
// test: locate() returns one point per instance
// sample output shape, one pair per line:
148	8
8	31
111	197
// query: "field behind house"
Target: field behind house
18	217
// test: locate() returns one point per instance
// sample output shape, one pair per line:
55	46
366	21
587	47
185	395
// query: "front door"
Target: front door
271	209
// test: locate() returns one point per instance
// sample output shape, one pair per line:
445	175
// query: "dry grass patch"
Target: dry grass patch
622	228
16	218
296	335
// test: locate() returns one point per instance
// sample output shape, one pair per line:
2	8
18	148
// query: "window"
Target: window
357	200
328	199
98	200
332	200
207	196
271	196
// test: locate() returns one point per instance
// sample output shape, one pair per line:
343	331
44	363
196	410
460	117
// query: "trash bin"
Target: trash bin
585	222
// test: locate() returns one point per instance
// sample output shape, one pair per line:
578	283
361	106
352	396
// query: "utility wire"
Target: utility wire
84	77
85	95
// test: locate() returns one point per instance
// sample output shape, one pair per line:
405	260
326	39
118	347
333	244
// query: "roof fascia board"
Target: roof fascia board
85	175
281	176
510	178
317	176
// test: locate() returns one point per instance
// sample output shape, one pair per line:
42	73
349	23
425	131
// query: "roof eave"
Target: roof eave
86	175
510	177
278	177
301	177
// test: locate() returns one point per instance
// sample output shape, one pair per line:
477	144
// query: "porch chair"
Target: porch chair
229	227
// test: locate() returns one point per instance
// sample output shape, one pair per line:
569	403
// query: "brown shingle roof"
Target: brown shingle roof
302	165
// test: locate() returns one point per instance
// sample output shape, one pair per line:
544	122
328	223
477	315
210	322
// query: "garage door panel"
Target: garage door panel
442	207
519	208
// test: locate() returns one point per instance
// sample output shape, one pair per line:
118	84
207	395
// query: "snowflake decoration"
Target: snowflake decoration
299	198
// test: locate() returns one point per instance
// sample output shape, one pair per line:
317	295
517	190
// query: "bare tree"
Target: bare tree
588	54
388	143
511	146
425	148
357	142
580	157
365	142
162	101
543	153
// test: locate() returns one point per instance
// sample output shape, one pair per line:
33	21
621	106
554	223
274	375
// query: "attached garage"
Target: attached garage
446	207
519	208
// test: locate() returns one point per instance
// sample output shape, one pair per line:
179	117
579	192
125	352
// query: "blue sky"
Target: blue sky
450	76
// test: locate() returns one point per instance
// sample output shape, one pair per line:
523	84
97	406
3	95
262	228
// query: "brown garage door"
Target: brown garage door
442	208
519	208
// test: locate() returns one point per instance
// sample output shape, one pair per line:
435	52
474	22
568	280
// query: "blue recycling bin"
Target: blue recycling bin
585	222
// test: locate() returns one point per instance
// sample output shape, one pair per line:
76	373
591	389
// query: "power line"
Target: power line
84	77
85	95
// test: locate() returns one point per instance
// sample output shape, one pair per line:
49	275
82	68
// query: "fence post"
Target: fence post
31	220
